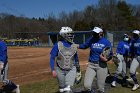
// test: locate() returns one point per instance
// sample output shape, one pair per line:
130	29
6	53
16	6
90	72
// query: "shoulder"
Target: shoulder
121	41
55	45
105	40
2	43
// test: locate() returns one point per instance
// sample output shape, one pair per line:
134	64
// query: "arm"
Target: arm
3	54
132	54
78	72
53	54
76	62
52	62
86	44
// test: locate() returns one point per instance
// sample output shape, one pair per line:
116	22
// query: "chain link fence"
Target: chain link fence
47	39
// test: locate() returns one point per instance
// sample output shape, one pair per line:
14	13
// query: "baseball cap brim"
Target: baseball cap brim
97	30
136	32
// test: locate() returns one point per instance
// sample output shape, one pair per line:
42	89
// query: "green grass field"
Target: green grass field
51	86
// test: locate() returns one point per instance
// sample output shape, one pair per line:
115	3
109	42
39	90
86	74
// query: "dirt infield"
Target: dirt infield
28	65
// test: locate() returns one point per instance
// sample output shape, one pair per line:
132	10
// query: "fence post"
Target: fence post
84	38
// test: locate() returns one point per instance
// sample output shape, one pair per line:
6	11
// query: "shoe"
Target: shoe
17	90
101	92
129	79
61	90
137	73
135	87
67	89
90	91
113	84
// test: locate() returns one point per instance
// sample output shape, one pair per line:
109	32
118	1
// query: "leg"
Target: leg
61	79
70	79
101	77
124	82
118	71
89	77
133	67
9	86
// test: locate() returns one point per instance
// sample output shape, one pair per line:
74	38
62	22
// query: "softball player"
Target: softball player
8	86
67	63
122	53
135	51
97	65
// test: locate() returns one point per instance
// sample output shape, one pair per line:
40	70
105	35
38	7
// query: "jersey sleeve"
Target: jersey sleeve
86	44
53	54
3	52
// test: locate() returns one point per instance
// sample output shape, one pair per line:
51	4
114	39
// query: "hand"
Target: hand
102	58
1	65
54	74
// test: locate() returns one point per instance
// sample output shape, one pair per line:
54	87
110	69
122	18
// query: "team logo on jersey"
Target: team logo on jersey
136	44
97	45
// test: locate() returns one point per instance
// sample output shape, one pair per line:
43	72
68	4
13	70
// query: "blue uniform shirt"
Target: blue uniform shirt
3	52
96	47
123	48
135	47
54	53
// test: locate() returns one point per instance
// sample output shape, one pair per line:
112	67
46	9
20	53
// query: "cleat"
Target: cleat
113	84
61	90
135	87
129	79
17	90
90	91
67	89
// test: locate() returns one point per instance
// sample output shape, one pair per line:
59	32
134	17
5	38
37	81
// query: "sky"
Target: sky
42	8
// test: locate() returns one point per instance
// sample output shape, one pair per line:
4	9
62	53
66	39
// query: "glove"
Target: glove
78	77
106	52
105	55
116	60
1	65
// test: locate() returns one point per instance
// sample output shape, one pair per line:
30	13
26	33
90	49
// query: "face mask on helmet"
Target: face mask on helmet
126	37
69	37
